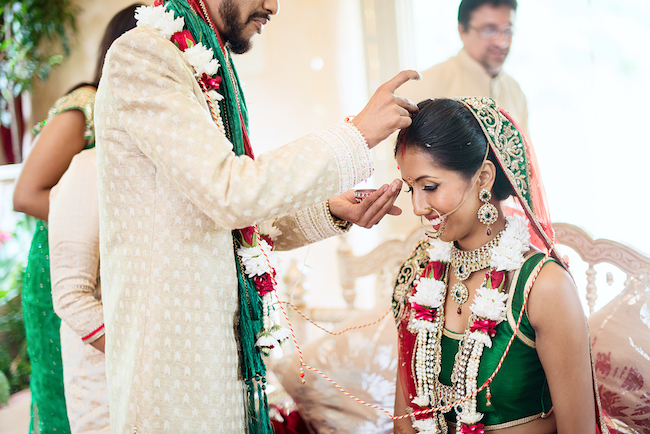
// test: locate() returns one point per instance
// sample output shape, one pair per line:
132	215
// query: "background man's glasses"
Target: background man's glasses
491	32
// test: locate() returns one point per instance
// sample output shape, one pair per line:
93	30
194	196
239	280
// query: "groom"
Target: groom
177	181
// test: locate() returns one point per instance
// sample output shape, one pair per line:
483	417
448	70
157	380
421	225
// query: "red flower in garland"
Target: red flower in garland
248	236
484	325
434	270
211	83
264	284
183	40
424	313
473	429
158	3
268	240
496	279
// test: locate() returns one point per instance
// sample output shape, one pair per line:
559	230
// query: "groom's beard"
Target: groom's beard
233	34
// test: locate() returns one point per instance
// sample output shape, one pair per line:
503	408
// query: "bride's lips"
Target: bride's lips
435	222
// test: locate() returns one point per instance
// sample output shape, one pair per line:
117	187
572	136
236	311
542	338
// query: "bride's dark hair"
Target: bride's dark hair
447	132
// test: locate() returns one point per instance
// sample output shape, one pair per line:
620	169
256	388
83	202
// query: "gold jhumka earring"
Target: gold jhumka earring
487	213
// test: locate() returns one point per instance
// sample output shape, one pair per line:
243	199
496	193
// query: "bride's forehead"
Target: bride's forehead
414	159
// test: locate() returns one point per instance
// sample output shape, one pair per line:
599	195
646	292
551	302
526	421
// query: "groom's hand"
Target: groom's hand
369	211
386	112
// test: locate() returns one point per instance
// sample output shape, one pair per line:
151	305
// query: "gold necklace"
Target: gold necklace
464	263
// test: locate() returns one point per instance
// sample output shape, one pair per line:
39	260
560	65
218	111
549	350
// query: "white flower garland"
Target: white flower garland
440	251
258	261
160	19
490	304
515	241
489	309
199	57
202	60
269	229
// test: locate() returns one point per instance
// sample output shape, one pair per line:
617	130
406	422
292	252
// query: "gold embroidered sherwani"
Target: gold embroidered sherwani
170	192
461	75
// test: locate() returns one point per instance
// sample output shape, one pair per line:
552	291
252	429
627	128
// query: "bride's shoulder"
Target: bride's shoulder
554	292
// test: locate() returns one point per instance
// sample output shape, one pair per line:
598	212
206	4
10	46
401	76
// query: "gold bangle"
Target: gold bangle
337	222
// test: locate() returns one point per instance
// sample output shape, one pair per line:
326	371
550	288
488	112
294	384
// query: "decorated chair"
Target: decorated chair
363	361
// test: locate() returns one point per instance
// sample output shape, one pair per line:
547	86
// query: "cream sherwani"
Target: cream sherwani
170	192
461	75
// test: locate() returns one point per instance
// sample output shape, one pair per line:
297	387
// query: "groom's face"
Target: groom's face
239	20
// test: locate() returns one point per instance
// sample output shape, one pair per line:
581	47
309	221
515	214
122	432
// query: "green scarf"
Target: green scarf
249	323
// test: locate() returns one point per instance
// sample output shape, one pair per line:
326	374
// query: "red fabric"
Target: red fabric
93	333
540	219
406	344
247	142
292	423
6	144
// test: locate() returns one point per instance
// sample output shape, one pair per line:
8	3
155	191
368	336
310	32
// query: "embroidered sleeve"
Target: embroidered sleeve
351	153
150	97
74	248
305	227
82	99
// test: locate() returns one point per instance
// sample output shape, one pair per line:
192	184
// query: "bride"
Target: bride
492	336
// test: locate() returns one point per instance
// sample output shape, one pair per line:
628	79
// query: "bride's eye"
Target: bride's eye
431	187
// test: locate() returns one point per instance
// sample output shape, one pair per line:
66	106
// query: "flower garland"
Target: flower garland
488	311
259	263
255	250
196	54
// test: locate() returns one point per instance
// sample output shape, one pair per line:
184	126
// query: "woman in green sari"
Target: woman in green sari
68	130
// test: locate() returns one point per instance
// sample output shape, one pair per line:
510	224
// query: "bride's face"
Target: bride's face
432	186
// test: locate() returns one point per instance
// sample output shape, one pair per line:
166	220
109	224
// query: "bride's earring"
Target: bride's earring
487	213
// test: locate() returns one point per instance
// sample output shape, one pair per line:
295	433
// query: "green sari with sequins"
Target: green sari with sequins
48	409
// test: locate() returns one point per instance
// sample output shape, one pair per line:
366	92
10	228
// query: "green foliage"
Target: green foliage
14	361
32	31
4	388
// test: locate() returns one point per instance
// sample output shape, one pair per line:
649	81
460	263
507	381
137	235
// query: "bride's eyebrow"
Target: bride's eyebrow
426	176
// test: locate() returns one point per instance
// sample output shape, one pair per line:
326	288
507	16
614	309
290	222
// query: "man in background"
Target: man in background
486	28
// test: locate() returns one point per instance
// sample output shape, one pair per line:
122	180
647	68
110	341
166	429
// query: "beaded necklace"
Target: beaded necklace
427	322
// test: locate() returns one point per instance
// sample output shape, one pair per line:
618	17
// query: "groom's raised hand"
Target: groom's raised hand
386	112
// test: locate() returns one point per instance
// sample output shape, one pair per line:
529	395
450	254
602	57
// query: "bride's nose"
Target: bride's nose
420	205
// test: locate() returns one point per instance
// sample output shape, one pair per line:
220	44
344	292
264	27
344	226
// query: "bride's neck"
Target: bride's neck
479	237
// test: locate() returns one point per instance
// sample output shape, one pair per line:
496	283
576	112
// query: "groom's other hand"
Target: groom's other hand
370	210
